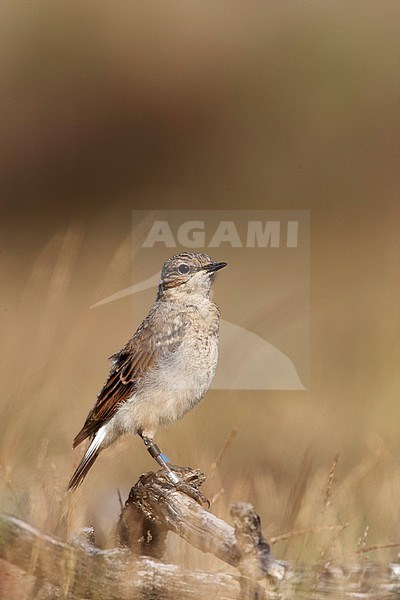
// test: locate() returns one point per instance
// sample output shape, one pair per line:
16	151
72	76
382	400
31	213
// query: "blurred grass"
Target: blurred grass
57	350
264	105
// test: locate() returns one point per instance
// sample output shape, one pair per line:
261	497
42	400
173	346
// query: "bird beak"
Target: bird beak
214	266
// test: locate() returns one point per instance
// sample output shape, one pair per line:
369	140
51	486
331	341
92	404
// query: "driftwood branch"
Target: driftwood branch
158	507
87	572
133	569
81	570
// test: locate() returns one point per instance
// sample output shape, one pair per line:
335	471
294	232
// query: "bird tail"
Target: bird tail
88	460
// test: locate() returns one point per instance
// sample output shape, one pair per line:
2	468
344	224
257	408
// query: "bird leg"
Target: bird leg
160	458
163	461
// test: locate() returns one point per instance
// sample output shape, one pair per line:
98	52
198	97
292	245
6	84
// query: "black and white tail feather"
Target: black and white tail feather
88	460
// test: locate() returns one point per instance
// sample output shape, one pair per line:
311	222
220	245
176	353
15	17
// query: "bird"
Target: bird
164	370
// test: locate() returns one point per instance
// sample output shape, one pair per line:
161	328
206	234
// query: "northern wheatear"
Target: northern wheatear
166	367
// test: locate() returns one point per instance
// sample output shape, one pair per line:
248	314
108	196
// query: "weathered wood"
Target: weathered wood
84	571
78	569
165	508
154	507
256	560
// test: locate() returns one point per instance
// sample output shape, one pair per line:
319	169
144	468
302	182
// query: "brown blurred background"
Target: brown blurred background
109	107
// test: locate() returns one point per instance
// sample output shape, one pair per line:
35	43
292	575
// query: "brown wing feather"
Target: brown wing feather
135	359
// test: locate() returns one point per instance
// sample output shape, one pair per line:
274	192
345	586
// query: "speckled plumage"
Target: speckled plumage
166	367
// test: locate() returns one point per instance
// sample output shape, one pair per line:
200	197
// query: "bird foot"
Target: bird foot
187	481
192	492
181	481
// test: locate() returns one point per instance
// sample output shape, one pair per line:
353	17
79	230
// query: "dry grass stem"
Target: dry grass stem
217	496
300	532
228	443
367	549
328	491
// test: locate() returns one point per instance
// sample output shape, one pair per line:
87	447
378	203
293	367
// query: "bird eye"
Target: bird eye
183	269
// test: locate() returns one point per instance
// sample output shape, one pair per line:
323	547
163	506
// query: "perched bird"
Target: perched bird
166	367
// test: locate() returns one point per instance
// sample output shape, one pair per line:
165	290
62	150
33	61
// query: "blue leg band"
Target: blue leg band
165	459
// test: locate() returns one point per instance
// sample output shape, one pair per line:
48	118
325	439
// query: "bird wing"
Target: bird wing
137	357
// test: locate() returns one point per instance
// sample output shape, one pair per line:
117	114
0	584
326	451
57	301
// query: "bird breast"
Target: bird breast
180	379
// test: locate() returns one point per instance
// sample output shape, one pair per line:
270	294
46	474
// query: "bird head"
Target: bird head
189	272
